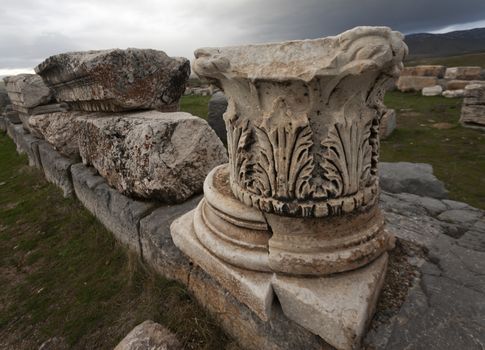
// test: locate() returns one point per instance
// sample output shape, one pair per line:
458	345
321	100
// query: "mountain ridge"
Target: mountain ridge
447	44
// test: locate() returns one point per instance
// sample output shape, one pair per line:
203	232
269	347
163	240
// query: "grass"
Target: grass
472	59
196	105
457	154
63	274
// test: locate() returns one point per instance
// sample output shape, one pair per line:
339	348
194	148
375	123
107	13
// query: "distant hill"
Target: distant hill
448	44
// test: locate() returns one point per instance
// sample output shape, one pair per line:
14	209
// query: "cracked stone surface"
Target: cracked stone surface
116	80
445	309
149	154
27	91
408	177
59	130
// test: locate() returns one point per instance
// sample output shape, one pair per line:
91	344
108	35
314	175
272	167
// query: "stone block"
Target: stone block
473	109
29	145
245	326
424	71
149	336
416	178
153	155
249	287
217	108
116	80
338	307
158	249
432	91
119	214
56	168
59	130
453	93
27	91
415	83
460	84
13	117
463	73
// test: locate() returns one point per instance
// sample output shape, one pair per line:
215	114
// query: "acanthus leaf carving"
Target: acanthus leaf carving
284	164
347	158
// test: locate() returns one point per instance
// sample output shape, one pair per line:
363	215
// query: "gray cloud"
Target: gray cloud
31	30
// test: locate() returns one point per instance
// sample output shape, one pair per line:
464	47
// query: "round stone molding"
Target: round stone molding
303	119
251	239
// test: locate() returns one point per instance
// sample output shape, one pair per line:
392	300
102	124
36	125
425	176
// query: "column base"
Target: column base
336	307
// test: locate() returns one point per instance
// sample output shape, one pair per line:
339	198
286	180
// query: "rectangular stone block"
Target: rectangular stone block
415	83
119	214
116	80
463	73
424	71
29	145
337	307
279	333
56	168
13	130
157	245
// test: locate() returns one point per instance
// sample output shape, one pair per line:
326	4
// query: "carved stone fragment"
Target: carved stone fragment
164	156
299	197
116	80
27	91
303	119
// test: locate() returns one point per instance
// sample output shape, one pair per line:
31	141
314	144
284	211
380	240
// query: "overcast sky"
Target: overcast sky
32	30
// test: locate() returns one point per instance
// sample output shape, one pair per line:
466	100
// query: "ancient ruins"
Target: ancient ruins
282	237
473	110
435	80
299	195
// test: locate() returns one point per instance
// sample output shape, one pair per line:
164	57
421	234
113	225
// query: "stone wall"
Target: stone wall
435	80
438	226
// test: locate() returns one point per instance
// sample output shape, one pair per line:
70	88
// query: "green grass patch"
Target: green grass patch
457	154
195	105
471	59
63	274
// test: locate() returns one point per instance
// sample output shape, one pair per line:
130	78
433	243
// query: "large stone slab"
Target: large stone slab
163	156
116	80
27	91
149	336
158	249
415	83
414	178
445	306
56	168
59	130
339	307
119	214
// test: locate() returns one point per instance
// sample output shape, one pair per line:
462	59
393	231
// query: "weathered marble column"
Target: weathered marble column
299	196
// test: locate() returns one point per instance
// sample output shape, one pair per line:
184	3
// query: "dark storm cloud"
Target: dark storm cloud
31	30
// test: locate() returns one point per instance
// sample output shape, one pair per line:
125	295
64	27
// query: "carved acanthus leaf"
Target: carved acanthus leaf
346	158
284	164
